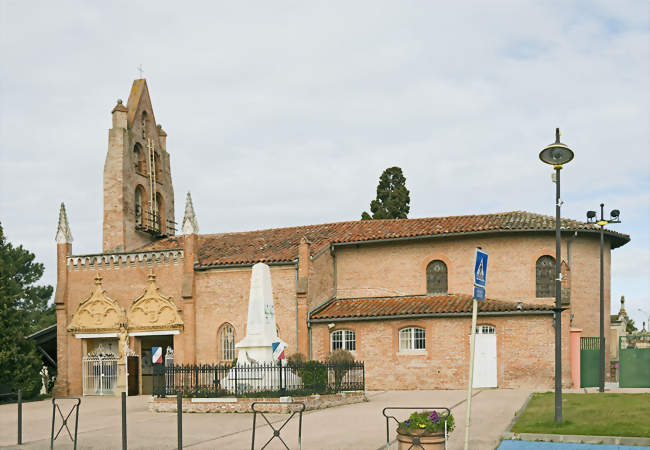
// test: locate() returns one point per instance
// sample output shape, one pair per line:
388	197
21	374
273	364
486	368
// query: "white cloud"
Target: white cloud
286	113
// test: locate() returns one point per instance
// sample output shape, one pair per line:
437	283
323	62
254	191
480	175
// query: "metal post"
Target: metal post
601	385
179	415
558	301
123	420
20	416
76	424
53	417
470	382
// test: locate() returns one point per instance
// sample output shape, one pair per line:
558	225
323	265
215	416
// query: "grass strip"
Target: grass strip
588	414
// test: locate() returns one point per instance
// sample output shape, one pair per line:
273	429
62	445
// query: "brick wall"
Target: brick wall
222	296
525	352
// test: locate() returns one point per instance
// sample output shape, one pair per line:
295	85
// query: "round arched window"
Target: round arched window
437	277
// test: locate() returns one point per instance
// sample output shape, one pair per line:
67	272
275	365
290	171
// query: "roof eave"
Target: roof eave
618	240
246	264
426	315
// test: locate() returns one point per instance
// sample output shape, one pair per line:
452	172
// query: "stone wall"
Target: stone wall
243	405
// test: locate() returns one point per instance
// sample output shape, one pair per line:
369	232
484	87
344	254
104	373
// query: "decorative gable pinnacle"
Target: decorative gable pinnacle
63	235
119	106
190	224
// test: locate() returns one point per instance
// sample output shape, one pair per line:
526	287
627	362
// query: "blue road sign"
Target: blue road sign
480	268
480	274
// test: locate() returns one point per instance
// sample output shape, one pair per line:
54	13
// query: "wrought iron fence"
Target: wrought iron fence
222	380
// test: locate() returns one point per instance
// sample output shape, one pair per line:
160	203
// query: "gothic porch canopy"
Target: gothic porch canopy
150	312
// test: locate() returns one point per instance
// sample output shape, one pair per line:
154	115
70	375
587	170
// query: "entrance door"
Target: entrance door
589	361
485	357
99	375
133	363
147	343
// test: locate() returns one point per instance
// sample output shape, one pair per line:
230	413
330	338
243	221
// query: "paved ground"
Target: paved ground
358	426
526	445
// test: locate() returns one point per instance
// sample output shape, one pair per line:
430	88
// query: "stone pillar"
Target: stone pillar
301	294
63	250
190	230
123	346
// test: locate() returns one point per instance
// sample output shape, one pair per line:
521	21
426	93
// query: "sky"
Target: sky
286	113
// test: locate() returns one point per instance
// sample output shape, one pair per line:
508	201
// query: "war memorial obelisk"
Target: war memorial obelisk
261	333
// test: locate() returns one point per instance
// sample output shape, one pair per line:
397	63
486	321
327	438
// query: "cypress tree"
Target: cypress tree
393	197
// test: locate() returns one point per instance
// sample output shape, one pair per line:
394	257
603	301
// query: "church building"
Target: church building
396	293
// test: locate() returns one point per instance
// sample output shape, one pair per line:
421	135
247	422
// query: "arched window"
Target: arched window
139	198
144	124
160	213
545	276
158	167
139	159
412	338
226	342
437	277
343	339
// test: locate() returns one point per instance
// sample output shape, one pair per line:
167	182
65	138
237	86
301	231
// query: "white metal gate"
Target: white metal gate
485	357
99	375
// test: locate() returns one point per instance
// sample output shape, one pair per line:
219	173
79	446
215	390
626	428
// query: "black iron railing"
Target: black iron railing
257	380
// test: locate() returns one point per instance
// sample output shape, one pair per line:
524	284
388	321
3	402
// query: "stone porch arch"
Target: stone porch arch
152	311
97	314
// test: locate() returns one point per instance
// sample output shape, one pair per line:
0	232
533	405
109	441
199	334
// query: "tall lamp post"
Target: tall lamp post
591	218
557	154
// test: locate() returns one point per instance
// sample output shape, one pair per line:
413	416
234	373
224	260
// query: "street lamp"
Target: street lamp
591	218
557	154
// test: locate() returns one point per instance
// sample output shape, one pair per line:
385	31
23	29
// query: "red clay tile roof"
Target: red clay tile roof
281	244
377	307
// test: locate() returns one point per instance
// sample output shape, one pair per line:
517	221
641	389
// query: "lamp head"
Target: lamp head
615	213
557	153
591	215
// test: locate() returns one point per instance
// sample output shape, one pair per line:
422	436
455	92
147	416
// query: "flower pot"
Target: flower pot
426	441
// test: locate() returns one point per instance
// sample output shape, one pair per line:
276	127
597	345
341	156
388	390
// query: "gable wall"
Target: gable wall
123	285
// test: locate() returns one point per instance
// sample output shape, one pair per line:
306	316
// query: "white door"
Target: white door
485	357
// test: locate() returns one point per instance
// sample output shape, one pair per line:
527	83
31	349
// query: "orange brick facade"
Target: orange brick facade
207	297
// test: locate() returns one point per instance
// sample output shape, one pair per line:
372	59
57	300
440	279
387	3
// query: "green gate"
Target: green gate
589	361
634	357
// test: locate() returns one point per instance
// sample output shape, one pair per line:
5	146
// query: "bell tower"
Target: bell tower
138	191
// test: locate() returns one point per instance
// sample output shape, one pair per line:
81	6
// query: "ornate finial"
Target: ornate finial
63	235
190	224
98	279
151	277
119	106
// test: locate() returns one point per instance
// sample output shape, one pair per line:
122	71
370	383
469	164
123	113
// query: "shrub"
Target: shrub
296	360
341	360
313	375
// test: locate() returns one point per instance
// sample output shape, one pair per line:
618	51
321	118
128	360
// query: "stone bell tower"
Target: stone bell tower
138	191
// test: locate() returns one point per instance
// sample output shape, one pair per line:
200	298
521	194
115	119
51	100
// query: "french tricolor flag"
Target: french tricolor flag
156	355
278	350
